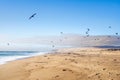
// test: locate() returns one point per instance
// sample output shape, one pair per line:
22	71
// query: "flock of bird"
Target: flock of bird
87	32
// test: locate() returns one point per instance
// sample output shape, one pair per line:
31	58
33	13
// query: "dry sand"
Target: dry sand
66	64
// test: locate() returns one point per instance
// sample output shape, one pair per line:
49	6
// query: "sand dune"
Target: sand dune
66	64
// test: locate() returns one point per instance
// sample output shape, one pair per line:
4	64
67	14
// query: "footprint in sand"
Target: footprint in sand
56	76
45	56
36	65
104	68
115	60
66	59
64	70
48	58
69	53
68	70
118	74
97	73
98	76
110	73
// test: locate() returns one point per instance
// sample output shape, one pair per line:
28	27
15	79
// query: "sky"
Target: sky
55	16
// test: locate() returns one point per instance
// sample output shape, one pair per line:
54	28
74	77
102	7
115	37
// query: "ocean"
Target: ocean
6	56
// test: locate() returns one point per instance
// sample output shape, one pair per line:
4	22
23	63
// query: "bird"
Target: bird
116	33
88	35
109	27
61	32
88	29
32	16
51	41
53	46
87	32
8	44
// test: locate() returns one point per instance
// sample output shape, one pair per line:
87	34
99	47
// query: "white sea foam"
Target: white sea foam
5	59
6	56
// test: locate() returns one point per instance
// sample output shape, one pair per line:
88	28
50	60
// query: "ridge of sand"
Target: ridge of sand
66	64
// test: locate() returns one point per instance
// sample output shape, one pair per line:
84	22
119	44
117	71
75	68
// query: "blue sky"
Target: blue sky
55	16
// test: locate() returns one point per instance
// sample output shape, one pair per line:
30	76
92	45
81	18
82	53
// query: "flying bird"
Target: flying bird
8	44
88	35
61	32
109	27
32	16
87	32
88	29
116	33
53	46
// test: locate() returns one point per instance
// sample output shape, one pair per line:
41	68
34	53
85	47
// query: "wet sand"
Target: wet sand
66	64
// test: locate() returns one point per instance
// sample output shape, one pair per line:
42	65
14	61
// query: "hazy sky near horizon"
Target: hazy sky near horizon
55	16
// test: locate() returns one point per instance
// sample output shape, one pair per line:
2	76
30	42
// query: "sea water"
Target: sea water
6	56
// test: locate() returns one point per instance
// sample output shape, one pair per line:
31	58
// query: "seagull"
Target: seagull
87	32
61	32
88	35
8	44
32	16
116	33
109	27
88	29
53	46
51	41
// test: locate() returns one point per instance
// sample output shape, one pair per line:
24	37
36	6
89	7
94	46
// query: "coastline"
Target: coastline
66	64
15	58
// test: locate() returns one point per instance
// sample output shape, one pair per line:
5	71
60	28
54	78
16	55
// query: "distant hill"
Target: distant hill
97	41
65	40
76	40
105	40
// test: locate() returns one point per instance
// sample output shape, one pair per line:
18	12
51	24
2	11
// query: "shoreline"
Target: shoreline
66	64
63	50
15	58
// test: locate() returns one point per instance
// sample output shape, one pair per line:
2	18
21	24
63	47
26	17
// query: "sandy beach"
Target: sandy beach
66	64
